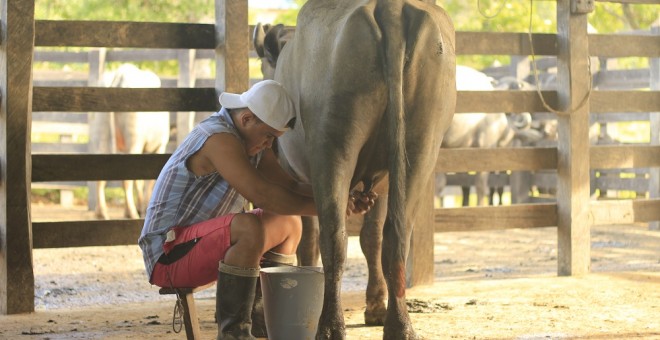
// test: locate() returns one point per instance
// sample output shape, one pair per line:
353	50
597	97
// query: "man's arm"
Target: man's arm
270	168
227	155
358	202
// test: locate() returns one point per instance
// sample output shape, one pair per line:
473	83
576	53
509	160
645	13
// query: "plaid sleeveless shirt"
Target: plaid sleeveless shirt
180	198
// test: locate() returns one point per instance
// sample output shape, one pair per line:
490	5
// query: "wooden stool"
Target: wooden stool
190	320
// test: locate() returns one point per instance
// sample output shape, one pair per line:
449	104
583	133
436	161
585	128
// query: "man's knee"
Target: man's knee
296	225
248	228
292	224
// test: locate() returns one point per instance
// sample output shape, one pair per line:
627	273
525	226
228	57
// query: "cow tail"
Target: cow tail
389	18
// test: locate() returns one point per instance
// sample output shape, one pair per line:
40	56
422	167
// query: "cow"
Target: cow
373	83
481	130
129	133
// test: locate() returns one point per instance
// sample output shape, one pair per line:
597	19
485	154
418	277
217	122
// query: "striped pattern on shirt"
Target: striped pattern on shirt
180	198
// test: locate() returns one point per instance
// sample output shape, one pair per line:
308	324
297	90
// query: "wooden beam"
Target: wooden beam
101	99
473	159
86	233
573	81
624	45
529	101
629	156
231	45
625	101
624	211
51	168
503	101
467	219
505	43
16	49
58	167
496	218
124	34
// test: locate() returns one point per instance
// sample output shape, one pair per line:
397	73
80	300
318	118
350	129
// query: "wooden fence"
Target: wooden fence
572	214
69	125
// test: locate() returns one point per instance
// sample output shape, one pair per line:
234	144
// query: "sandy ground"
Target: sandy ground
488	285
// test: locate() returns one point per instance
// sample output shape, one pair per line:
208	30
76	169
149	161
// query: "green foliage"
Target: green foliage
288	18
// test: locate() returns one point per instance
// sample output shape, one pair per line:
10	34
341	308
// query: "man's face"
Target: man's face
258	135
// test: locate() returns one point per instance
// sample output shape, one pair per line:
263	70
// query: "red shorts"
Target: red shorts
200	265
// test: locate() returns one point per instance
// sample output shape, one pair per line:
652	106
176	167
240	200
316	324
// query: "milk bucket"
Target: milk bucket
293	299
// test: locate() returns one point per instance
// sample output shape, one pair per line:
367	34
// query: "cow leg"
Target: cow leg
332	220
331	183
139	195
371	242
500	193
148	190
101	210
308	248
440	184
395	245
466	195
129	207
491	196
481	185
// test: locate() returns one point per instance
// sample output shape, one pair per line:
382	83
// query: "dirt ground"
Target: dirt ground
488	285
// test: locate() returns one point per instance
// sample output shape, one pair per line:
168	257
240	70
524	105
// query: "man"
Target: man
196	229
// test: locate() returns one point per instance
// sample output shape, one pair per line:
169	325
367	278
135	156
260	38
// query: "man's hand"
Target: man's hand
360	202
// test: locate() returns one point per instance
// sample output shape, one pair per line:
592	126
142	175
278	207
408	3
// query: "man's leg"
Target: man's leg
252	235
234	298
239	242
281	237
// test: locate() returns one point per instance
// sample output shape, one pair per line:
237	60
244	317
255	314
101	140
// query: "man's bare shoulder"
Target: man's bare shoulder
218	147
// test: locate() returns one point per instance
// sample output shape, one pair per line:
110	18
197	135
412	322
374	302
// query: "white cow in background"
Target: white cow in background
129	133
479	130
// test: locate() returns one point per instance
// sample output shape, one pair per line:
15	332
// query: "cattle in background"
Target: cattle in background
374	87
480	130
129	133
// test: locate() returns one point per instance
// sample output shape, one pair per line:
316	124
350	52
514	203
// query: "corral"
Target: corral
573	214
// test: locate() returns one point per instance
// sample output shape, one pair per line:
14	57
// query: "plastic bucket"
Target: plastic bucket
293	299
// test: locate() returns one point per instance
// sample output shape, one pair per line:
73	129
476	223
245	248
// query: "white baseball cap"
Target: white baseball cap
267	99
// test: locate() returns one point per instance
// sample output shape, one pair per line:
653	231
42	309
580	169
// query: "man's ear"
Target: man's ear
245	117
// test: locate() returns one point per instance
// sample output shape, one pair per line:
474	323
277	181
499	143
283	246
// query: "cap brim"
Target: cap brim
231	100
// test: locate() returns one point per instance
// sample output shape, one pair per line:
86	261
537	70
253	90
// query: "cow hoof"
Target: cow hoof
101	215
406	333
333	330
375	316
131	215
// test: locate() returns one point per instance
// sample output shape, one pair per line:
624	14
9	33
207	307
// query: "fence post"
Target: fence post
573	77
654	119
16	50
96	61
232	42
185	120
519	181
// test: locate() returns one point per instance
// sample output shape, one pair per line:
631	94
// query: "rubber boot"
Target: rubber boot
270	259
234	299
